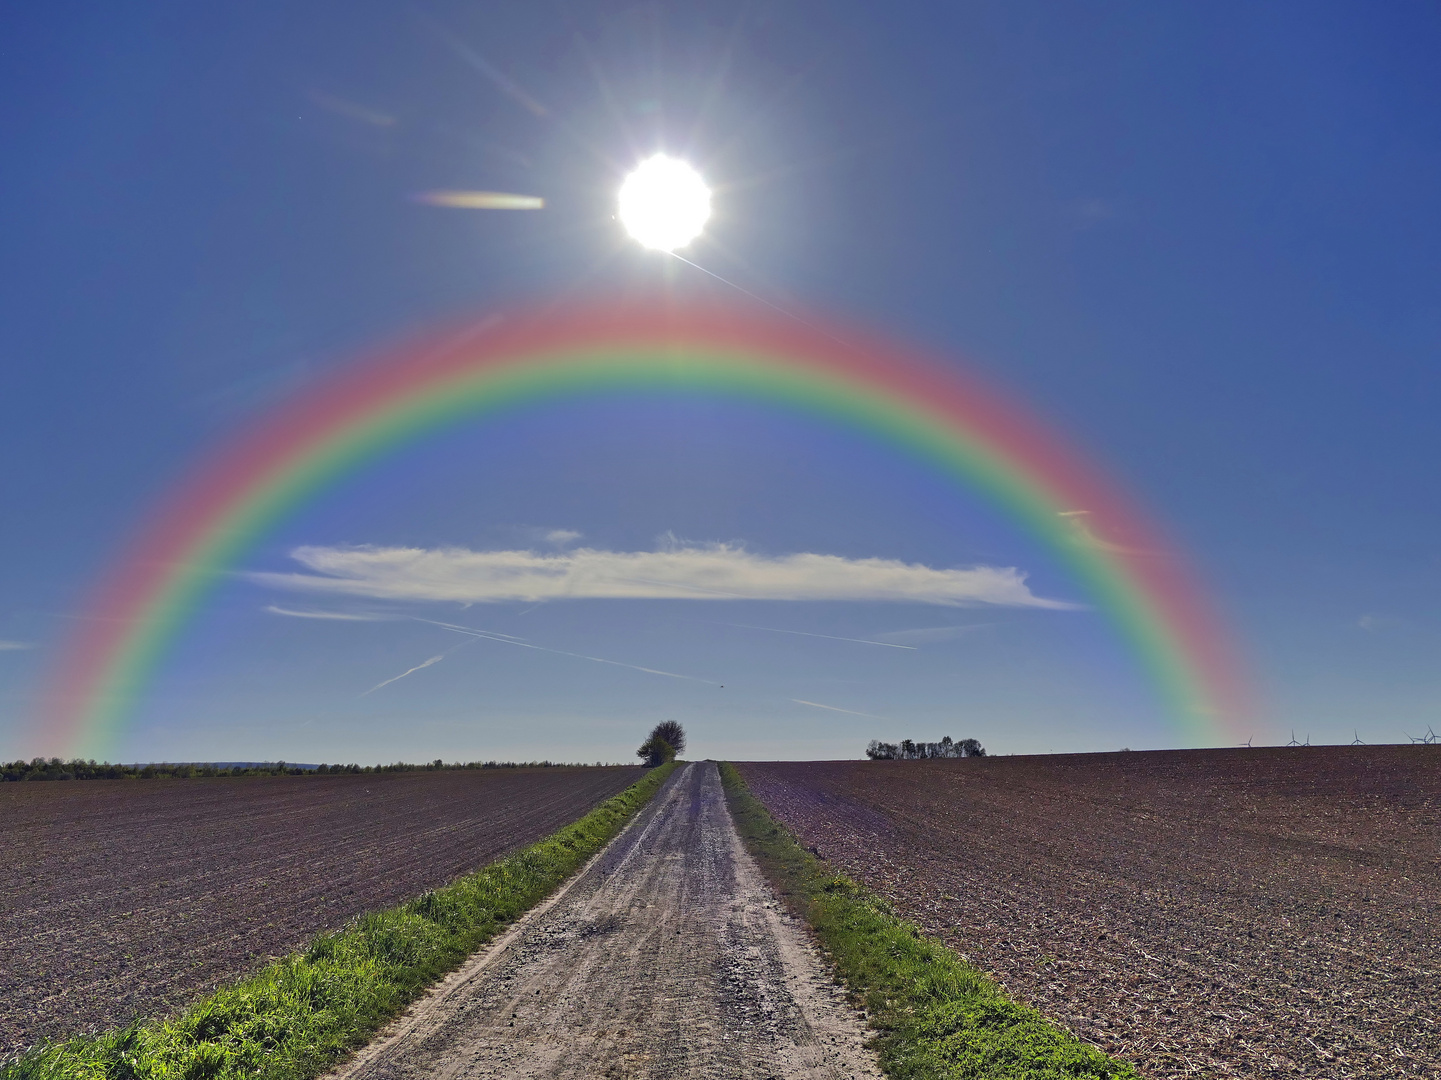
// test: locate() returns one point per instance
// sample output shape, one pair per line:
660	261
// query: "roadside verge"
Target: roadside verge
937	1016
298	1015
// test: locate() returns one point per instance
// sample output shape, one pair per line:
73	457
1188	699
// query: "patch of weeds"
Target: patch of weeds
937	1017
297	1016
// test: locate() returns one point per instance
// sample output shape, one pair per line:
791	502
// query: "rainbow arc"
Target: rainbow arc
209	523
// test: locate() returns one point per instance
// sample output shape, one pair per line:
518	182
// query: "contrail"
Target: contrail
467	629
433	660
832	708
828	637
506	639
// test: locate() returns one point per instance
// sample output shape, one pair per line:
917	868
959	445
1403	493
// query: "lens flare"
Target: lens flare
664	203
480	200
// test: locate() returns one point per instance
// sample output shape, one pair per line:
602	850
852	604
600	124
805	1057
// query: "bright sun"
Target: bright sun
664	203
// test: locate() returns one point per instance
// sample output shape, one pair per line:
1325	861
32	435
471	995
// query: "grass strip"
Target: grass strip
298	1015
938	1016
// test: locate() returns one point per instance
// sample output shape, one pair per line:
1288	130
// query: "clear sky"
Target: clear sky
1201	240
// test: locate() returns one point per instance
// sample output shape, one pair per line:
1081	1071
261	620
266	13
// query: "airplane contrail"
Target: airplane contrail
506	639
433	660
833	708
466	629
828	637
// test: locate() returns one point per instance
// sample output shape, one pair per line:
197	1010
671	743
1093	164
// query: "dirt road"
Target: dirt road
667	956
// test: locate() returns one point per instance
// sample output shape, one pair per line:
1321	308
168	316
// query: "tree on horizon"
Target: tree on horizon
666	740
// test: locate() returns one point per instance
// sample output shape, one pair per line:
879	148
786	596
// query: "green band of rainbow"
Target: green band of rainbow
337	427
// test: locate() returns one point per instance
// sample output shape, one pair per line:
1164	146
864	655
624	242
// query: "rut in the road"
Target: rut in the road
668	956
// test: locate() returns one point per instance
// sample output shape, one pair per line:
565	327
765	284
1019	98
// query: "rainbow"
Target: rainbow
212	519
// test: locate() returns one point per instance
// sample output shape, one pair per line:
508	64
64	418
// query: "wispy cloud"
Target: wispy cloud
1083	534
562	537
691	571
1373	623
339	616
351	109
15	646
834	708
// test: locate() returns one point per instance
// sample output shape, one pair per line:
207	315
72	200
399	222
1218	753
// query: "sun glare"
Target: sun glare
664	203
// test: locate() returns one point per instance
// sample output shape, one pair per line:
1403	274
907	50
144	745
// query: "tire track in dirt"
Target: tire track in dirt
667	956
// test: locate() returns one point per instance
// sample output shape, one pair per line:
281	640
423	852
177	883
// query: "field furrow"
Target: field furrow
1258	913
131	898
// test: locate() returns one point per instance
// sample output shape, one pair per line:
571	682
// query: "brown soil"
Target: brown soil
132	898
668	956
1258	913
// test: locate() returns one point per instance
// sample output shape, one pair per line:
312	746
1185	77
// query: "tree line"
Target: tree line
81	769
909	750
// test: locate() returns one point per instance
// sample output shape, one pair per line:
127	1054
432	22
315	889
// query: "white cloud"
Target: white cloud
340	616
13	646
562	537
692	572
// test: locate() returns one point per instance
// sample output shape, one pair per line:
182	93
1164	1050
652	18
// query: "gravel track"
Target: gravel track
667	956
126	898
1256	913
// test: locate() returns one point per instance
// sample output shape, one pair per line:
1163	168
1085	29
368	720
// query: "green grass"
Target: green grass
300	1014
937	1016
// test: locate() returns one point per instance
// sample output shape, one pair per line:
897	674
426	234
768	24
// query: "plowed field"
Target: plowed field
1257	913
131	898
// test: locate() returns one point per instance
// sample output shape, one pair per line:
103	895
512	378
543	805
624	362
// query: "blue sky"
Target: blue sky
1202	240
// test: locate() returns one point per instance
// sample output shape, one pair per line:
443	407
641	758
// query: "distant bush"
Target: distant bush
665	741
655	752
906	750
78	769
